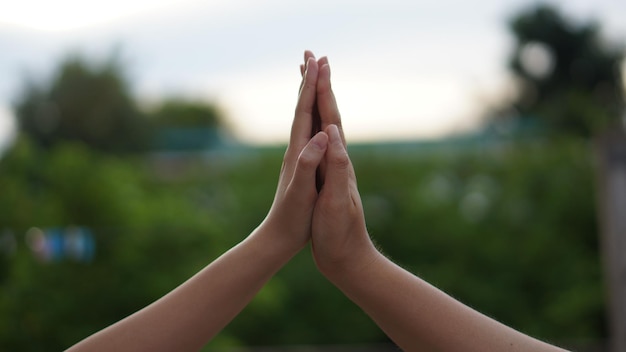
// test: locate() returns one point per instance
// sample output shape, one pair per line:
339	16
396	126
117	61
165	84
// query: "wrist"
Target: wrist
360	258
275	241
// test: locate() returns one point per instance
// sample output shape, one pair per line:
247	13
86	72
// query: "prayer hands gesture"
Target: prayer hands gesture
316	200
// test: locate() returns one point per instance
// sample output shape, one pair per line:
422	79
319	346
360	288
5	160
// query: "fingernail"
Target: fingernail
334	133
320	140
326	67
308	62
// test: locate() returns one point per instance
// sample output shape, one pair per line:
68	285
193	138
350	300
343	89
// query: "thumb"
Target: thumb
308	161
338	165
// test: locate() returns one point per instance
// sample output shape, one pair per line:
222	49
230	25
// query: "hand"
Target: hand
339	234
317	125
290	215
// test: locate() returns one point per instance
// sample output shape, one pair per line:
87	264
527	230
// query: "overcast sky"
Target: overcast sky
401	69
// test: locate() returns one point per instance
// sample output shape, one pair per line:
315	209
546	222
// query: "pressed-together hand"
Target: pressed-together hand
292	210
339	234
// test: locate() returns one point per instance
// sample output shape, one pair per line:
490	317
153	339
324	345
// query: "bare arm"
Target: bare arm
413	313
419	317
190	315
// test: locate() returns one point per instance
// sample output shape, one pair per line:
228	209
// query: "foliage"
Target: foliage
186	113
148	239
187	125
569	75
91	104
509	231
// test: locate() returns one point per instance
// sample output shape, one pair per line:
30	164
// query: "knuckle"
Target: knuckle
341	160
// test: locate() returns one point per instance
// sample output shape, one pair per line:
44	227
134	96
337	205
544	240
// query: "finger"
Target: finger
307	55
317	123
338	166
326	103
301	127
308	160
322	61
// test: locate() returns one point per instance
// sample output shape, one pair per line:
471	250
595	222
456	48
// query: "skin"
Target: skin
316	200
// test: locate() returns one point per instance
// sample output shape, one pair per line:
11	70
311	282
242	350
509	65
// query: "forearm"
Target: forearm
189	316
420	317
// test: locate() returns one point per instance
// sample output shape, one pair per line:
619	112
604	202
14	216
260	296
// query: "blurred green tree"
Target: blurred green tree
569	75
187	125
88	103
179	112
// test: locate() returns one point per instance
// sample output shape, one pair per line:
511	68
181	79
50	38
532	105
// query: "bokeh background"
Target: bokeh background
140	140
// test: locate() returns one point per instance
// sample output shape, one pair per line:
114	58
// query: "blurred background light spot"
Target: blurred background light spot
440	189
474	206
36	241
79	244
55	244
484	184
480	192
537	59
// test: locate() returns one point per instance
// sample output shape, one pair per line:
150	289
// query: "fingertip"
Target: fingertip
320	140
333	134
308	54
338	168
325	69
310	63
310	75
324	78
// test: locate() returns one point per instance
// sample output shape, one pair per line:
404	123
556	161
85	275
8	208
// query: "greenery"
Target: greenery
509	231
181	112
92	104
569	75
83	102
506	226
